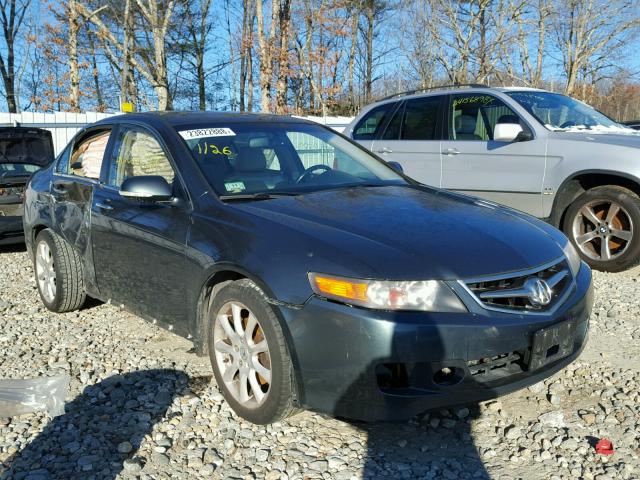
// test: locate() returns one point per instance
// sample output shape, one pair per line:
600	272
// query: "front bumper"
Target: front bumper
378	365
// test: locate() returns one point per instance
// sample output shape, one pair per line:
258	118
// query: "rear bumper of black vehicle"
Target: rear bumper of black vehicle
373	365
11	230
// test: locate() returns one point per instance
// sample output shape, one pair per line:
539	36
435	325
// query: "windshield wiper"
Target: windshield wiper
259	196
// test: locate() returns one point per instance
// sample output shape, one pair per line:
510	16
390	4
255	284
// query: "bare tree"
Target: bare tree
246	55
590	32
150	62
284	20
12	14
198	29
266	45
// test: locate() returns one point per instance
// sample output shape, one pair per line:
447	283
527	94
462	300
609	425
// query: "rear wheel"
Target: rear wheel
59	274
604	225
249	354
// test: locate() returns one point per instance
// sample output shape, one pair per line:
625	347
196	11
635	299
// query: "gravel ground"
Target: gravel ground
141	406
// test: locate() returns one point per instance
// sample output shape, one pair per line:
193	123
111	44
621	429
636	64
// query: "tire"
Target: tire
278	388
593	228
64	268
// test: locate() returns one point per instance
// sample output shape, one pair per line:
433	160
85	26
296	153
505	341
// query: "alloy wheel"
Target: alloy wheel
45	271
602	230
242	354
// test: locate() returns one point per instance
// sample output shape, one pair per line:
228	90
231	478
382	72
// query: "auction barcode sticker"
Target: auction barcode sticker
206	132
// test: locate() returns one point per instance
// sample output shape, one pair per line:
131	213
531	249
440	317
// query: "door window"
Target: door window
138	153
421	119
373	122
474	116
86	158
392	131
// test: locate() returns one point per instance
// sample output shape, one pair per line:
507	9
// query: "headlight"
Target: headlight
427	295
573	258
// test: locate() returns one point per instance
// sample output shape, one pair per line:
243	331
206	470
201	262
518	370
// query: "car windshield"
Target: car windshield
561	113
243	159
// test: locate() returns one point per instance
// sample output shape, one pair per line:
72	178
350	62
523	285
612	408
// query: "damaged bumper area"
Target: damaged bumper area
376	365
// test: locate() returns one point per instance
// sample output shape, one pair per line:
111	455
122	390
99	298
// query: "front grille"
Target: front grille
522	291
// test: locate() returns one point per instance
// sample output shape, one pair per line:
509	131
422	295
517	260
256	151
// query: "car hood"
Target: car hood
406	232
20	145
631	139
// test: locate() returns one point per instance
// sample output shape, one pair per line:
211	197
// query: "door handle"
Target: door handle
385	150
451	151
103	206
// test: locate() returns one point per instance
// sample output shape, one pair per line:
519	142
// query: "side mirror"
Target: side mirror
146	187
396	166
507	132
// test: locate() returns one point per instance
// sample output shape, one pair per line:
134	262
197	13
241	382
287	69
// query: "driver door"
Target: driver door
138	246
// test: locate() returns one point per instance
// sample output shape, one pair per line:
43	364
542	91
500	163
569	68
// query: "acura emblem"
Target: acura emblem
538	291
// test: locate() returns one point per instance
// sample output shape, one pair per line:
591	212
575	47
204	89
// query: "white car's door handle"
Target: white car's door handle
385	150
451	151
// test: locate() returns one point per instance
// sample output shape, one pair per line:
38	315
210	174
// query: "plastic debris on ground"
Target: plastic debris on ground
20	396
604	447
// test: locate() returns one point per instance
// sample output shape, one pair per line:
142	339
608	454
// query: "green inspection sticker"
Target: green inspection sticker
234	186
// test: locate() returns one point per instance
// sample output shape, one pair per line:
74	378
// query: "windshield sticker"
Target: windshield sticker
206	132
213	149
234	187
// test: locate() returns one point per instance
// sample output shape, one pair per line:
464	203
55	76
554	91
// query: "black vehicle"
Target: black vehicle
313	274
635	124
23	151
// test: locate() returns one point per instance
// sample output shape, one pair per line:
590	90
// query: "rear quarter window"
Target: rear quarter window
373	121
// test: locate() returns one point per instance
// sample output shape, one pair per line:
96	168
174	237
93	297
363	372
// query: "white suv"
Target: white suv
540	152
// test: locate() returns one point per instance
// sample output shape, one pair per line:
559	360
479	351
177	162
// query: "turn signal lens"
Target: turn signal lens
346	289
421	295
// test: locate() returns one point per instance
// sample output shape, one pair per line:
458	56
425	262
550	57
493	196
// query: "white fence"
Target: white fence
64	125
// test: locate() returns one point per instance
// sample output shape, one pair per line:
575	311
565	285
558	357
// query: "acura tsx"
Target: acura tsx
312	273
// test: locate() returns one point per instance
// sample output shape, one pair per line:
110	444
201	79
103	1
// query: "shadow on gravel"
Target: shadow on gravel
418	450
13	248
102	429
434	445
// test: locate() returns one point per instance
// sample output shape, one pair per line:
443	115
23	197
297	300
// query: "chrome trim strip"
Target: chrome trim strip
515	273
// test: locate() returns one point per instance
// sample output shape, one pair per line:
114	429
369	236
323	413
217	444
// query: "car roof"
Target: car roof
181	118
447	90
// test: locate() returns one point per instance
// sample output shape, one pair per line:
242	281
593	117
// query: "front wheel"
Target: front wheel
604	225
249	354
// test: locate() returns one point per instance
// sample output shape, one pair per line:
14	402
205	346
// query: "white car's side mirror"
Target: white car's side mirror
507	132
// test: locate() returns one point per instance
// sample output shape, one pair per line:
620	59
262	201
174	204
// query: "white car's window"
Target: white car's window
562	113
474	116
372	123
138	153
421	119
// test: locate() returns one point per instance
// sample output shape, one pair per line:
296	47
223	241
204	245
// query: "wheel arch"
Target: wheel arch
32	234
217	279
575	185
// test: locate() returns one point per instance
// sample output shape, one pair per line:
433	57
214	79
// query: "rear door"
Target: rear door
510	173
412	138
73	183
139	246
